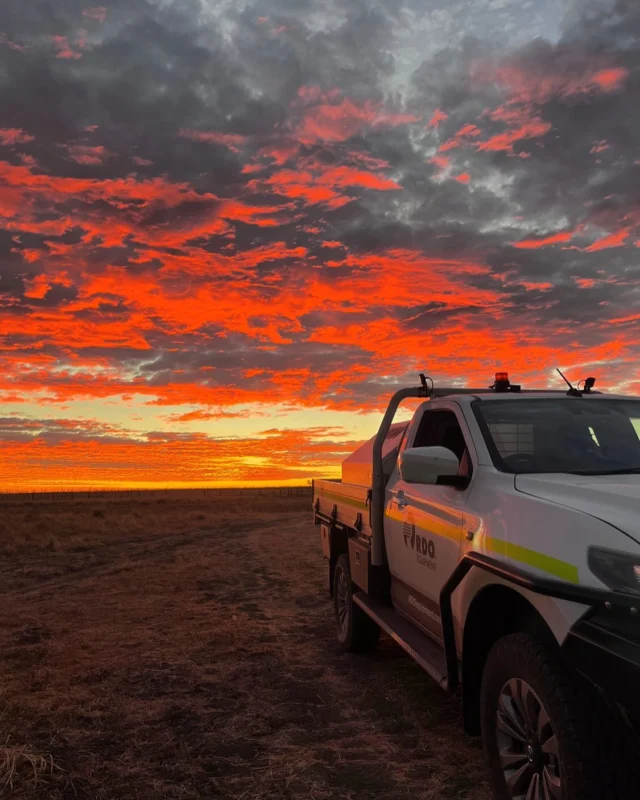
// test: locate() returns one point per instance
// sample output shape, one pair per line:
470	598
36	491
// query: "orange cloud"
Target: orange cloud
37	288
148	289
122	461
449	353
206	415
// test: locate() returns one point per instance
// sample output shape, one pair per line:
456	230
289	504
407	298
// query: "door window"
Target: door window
440	428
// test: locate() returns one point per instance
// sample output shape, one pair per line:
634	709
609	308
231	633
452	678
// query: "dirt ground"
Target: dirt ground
160	650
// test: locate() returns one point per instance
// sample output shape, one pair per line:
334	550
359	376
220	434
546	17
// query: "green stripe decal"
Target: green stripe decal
561	569
350	501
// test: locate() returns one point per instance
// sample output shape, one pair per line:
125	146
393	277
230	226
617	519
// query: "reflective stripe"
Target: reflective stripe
432	525
561	569
350	501
554	566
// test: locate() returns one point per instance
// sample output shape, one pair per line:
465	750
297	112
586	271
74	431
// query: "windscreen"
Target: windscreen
585	436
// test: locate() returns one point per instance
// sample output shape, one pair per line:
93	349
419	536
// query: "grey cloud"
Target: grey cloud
155	69
24	429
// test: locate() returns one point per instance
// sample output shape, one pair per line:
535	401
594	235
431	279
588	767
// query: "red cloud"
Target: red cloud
539	85
437	117
315	182
585	283
20	48
82	154
536	286
440	161
465	133
11	136
21	187
610	80
338	122
64	49
616	239
232	140
555	238
505	141
526	88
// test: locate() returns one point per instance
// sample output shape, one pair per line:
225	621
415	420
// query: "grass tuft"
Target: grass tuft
22	770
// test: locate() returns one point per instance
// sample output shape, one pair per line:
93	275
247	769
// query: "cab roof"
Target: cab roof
530	394
502	389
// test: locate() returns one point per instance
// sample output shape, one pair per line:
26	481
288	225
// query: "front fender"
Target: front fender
546	539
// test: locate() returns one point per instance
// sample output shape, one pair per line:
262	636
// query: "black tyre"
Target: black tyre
547	735
357	633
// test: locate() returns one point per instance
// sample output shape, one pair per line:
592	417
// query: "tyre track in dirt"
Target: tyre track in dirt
99	559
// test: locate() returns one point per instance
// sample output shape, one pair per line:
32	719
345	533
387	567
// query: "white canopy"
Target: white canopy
356	468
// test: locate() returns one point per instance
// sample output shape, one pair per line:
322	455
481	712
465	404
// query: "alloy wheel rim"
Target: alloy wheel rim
342	601
527	744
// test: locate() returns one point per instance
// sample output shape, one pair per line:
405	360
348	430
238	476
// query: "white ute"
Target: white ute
496	538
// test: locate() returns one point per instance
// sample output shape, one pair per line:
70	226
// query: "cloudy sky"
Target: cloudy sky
231	227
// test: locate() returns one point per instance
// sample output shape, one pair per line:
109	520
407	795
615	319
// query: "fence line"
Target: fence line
63	495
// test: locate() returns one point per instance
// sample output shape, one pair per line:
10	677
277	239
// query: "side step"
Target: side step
428	654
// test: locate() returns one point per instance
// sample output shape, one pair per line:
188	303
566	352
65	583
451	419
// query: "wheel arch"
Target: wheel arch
496	611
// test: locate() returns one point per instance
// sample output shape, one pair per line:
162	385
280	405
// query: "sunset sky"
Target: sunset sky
230	228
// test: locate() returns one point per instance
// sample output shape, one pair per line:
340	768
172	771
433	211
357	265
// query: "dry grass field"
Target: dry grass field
156	649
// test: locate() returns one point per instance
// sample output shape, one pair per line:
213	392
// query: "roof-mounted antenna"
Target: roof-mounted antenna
573	392
427	389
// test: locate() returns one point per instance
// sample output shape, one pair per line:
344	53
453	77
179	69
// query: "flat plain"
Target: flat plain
162	648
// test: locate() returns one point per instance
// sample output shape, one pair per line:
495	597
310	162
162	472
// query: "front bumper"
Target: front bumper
608	655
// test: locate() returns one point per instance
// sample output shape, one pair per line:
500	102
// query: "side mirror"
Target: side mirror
427	464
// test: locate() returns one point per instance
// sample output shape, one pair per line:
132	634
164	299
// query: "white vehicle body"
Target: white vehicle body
462	555
545	523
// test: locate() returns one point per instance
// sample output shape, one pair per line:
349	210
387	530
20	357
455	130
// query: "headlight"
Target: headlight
619	571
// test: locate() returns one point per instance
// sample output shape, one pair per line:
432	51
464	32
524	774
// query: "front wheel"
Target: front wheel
546	735
357	632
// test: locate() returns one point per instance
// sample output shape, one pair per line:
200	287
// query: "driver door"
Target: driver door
423	524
